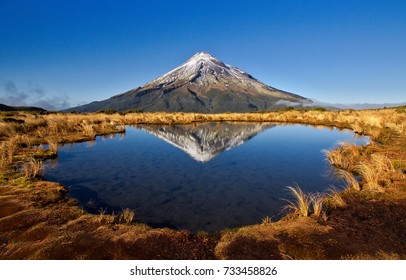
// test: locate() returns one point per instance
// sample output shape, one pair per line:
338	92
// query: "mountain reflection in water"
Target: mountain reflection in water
209	177
204	141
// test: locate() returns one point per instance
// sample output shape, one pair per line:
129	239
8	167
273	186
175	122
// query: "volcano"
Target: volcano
202	84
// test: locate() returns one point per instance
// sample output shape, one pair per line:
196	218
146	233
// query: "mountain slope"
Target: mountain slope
201	84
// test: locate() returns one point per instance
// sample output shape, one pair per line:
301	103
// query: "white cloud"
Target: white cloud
33	95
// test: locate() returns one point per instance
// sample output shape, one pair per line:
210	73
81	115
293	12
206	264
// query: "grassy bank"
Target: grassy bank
366	220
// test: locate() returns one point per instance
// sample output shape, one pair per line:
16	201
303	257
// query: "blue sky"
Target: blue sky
65	53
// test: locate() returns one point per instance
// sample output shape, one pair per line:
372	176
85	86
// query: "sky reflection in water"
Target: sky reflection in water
199	177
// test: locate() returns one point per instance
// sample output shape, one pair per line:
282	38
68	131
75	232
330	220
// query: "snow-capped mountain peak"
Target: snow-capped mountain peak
203	56
202	64
201	84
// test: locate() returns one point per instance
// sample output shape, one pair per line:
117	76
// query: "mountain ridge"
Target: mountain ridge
4	107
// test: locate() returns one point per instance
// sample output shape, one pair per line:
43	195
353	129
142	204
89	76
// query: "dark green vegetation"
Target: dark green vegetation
20	108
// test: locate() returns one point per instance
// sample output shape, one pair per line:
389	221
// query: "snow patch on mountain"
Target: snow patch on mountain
202	69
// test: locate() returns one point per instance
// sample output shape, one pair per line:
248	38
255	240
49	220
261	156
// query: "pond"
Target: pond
206	176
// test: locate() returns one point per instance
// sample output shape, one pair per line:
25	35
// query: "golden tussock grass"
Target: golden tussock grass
300	203
382	164
334	198
6	154
305	204
266	220
88	130
370	176
349	179
103	217
377	172
381	124
127	215
53	144
9	148
33	168
344	156
317	202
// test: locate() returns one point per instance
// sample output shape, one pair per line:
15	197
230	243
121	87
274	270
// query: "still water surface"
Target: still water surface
206	176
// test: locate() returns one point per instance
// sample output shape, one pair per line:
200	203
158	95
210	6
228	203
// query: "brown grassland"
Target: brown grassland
367	220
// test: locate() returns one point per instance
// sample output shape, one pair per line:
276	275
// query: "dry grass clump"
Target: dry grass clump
300	203
370	176
382	163
103	217
377	172
348	178
127	215
305	204
266	220
88	130
334	199
317	202
6	153
344	156
33	168
9	148
6	130
53	145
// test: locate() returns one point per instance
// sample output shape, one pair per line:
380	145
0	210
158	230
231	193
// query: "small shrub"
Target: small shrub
107	111
400	110
320	109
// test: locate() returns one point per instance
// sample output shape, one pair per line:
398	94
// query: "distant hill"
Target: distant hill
362	106
202	84
21	108
356	106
